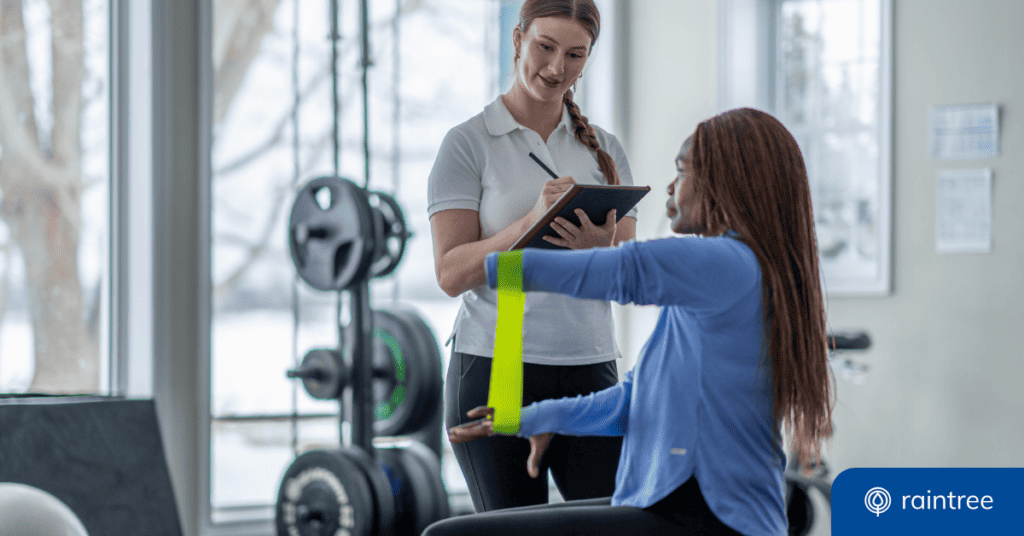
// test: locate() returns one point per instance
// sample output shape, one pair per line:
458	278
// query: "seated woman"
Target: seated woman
738	353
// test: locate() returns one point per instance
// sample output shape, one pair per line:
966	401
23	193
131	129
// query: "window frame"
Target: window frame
747	76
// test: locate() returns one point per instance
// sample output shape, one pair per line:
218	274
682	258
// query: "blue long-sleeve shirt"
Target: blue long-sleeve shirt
699	400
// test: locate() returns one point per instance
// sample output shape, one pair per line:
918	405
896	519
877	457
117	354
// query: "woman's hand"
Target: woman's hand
549	195
587	235
484	427
538	444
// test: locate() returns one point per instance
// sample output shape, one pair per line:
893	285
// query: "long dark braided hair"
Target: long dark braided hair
749	176
585	12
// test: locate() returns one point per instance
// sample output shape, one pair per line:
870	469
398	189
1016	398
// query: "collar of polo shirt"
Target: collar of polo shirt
499	120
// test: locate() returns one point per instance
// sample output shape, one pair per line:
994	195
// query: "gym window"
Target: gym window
823	67
55	191
433	67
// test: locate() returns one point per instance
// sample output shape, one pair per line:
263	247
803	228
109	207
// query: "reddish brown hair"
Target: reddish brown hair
585	12
748	175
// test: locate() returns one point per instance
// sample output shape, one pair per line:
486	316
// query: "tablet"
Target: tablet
595	199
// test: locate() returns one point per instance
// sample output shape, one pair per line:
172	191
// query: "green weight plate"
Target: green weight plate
428	357
398	375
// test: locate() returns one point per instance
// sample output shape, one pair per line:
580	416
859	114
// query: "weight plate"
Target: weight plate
429	358
323	373
325	492
440	508
396	233
379	229
799	511
383	497
416	503
331	234
398	375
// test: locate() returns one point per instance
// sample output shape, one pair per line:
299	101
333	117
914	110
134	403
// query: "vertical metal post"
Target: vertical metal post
362	366
396	117
364	15
296	175
335	37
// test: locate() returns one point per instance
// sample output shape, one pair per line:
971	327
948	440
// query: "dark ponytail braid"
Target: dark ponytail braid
585	133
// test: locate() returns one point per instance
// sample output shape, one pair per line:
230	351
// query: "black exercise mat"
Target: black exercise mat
102	456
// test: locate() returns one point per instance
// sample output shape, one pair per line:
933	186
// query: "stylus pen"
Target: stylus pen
541	164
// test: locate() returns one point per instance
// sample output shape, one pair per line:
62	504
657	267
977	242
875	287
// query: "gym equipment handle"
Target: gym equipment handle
308	373
849	341
321	374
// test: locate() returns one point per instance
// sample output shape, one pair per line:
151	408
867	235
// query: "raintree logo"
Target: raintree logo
896	501
877	500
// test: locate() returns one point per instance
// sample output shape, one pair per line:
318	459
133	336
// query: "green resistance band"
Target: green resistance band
506	391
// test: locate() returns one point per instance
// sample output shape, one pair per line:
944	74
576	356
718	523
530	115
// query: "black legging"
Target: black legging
683	512
495	467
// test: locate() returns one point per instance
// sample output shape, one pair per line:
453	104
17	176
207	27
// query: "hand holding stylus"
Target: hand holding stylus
549	195
586	235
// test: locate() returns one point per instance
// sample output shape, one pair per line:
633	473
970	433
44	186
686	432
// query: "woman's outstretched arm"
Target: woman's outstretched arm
687	270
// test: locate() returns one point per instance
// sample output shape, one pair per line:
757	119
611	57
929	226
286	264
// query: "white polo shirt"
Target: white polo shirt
484	165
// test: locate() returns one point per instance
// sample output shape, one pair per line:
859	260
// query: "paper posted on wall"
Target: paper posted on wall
964	211
964	132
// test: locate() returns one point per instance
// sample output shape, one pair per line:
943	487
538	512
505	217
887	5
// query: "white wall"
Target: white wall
944	388
671	86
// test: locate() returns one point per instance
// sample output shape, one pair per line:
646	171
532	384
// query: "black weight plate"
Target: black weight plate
410	482
323	373
428	361
389	460
800	512
380	248
325	492
440	507
331	234
396	234
398	375
383	498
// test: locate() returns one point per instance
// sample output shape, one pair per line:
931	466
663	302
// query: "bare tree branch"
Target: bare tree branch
18	131
67	37
240	26
277	134
256	250
12	43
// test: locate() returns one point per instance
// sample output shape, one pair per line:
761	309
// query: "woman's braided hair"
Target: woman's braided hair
585	12
749	176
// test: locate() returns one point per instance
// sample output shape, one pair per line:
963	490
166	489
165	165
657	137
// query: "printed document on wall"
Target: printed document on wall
964	211
964	132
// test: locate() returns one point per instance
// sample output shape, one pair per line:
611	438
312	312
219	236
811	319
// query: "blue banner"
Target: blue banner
927	501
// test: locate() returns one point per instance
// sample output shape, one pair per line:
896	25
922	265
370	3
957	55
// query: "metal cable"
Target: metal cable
364	16
295	181
335	37
396	118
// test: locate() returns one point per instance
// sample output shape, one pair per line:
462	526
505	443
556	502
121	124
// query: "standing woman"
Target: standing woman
484	192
